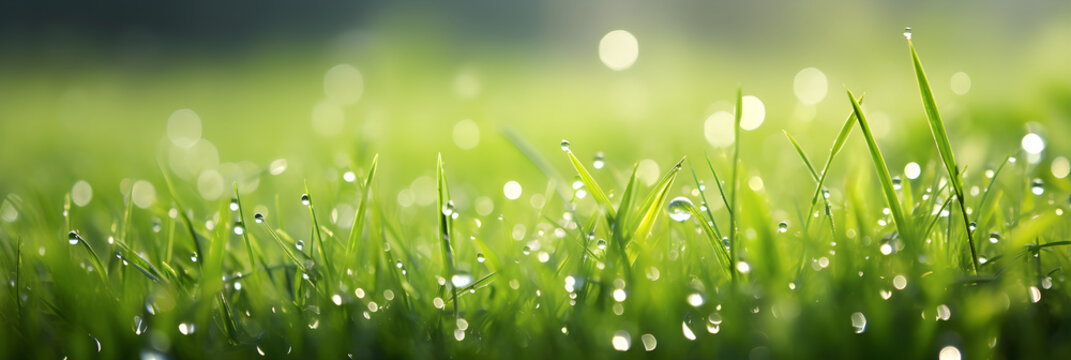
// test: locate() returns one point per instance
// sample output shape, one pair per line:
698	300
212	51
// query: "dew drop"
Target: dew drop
695	299
897	183
239	228
907	33
565	145
259	218
305	199
234	204
599	161
688	334
782	227
461	280
480	258
300	245
680	209
1037	187
73	238
994	237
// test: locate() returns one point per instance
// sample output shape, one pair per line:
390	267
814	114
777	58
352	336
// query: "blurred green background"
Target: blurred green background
87	90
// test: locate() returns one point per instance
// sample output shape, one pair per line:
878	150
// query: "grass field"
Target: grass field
906	222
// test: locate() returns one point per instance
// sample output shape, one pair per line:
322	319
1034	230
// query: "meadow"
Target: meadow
897	220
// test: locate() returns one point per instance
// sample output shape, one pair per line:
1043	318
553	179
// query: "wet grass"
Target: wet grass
600	262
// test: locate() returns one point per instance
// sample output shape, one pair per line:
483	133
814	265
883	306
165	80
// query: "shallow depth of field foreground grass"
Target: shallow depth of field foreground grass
835	249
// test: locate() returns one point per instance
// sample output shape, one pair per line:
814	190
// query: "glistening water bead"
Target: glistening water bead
565	145
907	33
599	161
305	199
1037	187
680	209
258	217
73	238
234	204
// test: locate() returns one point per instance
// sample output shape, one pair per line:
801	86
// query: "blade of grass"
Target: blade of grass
358	221
717	181
245	230
706	205
653	205
902	226
447	250
182	213
803	155
732	186
944	147
592	185
838	145
317	236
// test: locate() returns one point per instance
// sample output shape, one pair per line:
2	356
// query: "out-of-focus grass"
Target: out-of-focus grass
579	263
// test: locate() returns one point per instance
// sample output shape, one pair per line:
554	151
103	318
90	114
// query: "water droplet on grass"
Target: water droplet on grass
680	209
907	33
897	183
565	145
782	227
239	228
305	199
695	299
234	204
259	218
300	245
1037	187
73	238
599	161
461	280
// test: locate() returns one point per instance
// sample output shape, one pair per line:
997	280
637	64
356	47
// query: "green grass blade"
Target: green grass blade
245	232
803	155
703	196
902	226
944	147
443	199
733	179
317	236
182	213
838	145
653	205
717	181
593	187
713	236
358	220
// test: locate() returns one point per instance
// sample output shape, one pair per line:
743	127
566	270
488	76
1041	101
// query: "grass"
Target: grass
583	266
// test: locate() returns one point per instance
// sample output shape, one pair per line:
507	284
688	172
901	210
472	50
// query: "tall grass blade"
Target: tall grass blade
737	113
358	220
443	199
944	147
902	225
